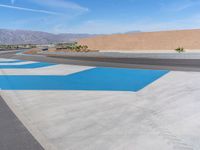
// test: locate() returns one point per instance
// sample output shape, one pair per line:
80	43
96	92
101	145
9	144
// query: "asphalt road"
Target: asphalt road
144	63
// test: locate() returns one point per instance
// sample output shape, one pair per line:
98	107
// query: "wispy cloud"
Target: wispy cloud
30	9
109	27
180	6
61	4
12	1
59	7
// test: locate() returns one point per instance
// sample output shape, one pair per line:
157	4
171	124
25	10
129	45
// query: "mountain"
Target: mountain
162	40
130	32
36	37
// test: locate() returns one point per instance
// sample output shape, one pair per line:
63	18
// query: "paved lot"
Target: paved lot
163	115
158	117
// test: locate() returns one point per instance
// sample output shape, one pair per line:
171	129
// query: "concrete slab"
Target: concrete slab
17	63
164	115
6	59
26	66
49	70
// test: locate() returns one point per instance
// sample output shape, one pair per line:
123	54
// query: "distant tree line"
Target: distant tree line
72	47
19	46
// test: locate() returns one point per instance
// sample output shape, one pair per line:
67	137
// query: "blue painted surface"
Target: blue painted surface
26	66
106	79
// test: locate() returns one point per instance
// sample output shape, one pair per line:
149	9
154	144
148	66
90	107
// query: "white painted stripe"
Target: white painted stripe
5	59
18	63
50	70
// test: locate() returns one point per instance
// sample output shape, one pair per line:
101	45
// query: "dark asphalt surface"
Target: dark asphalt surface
174	64
144	63
13	134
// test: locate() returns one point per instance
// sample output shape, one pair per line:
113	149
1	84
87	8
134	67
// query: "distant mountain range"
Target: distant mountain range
37	37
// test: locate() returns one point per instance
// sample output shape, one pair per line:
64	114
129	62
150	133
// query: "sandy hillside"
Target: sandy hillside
166	40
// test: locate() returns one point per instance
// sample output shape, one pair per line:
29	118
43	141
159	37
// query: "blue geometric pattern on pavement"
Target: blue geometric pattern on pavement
97	79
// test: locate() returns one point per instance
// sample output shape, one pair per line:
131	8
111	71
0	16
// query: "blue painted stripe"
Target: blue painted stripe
26	66
106	79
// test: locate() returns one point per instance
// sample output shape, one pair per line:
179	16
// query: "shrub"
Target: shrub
72	47
179	49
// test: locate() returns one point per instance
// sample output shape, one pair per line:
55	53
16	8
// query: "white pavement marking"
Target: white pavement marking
50	70
164	115
18	63
5	59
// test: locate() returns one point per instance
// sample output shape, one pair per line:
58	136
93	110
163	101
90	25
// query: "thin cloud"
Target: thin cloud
29	9
180	6
61	4
12	1
109	27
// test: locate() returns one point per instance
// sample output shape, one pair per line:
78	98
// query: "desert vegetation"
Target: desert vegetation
19	46
60	47
72	47
180	50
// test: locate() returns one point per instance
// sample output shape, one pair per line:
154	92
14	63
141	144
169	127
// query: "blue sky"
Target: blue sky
99	16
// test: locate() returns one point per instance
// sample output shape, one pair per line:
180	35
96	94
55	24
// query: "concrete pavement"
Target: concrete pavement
164	115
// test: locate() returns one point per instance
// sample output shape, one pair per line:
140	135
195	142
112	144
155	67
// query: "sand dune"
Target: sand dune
165	40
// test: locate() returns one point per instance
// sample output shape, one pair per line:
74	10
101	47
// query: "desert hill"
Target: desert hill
164	40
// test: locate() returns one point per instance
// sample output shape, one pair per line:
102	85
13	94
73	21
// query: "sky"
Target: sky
99	16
